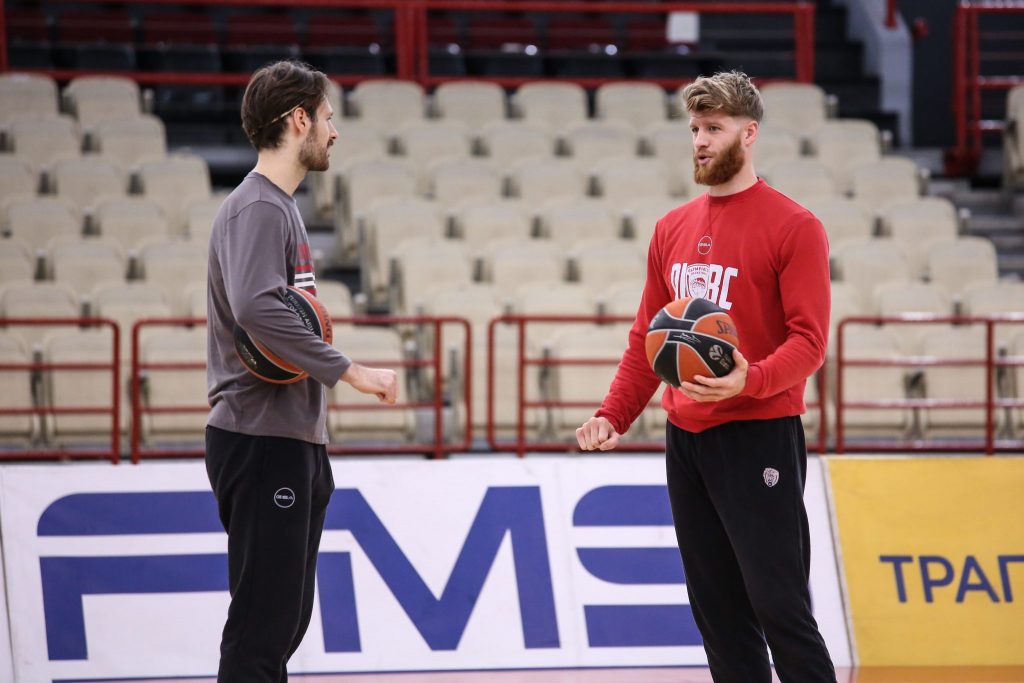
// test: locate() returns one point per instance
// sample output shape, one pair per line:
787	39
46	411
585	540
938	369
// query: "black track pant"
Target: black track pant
272	494
745	544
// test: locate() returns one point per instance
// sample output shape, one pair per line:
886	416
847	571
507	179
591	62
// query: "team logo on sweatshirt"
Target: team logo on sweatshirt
704	245
703	281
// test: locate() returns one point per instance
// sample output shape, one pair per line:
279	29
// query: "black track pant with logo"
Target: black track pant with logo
737	501
272	495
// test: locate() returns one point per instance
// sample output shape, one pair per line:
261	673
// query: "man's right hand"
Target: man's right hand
597	434
383	383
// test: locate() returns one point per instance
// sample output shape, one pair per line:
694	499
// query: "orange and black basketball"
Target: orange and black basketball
691	337
262	362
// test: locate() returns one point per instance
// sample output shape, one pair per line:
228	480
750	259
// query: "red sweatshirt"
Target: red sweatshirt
764	259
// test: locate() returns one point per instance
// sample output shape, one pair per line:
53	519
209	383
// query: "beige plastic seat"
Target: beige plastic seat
843	144
37	300
623	179
367	181
18	181
1013	139
474	103
130	221
388	224
638	104
917	224
672	142
97	99
131	142
913	299
199	217
171	266
621	299
508	142
196	300
174	183
424	142
872	263
42	143
453	180
87	180
537	180
560	298
775	146
17	263
17	393
509	263
378	347
843	219
478	224
356	141
643	214
802	180
423	262
800	108
37	221
887	180
570	221
336	298
178	388
554	105
867	342
591	142
128	302
79	388
847	302
82	263
582	383
27	97
388	104
599	263
961	383
1003	297
961	263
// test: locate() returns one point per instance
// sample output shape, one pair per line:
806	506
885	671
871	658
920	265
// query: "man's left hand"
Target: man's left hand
708	389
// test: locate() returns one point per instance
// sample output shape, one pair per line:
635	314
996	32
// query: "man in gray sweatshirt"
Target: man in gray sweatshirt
265	443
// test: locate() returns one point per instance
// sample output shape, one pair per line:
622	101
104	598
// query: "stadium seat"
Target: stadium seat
82	263
424	142
775	146
37	300
98	99
869	264
199	217
999	298
802	180
178	388
623	179
17	262
422	262
172	266
1013	140
843	219
388	104
18	181
509	263
86	181
537	180
336	298
41	143
554	105
887	180
870	383
961	263
37	221
17	393
917	224
27	97
132	141
126	303
591	142
356	141
643	214
79	388
621	299
130	221
638	104
174	183
672	142
474	103
367	181
800	108
843	144
547	298
508	142
913	298
569	221
961	383
599	263
453	180
479	223
389	223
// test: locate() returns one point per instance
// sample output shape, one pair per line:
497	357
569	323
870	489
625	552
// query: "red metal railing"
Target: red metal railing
438	446
988	444
410	28
114	410
520	444
969	82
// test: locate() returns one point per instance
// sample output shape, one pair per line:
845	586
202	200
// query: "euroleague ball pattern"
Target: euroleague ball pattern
691	337
264	363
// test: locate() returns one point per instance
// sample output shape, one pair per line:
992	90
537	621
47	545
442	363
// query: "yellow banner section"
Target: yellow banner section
932	552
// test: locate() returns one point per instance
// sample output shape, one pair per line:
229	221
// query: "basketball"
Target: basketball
262	362
691	337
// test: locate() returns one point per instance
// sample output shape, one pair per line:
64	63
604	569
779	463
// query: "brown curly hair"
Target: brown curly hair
275	91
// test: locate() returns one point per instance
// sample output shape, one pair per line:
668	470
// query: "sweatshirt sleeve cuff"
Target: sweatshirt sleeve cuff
755	381
616	423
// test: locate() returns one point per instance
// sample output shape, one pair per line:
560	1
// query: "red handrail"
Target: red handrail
410	26
438	447
114	366
968	82
988	365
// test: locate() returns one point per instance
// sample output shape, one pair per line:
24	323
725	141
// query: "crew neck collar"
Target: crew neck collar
740	196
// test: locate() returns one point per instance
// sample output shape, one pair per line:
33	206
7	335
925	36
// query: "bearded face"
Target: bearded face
314	154
716	168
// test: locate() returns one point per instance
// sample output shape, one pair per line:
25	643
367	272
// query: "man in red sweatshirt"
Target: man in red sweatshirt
736	457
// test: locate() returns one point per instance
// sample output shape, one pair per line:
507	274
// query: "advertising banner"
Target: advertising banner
472	563
933	558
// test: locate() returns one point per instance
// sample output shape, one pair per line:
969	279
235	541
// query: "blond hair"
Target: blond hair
727	92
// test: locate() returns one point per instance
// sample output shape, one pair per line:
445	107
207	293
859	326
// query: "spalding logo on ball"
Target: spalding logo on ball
691	337
262	362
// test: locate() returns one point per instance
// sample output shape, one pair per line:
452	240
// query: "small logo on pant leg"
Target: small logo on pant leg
284	498
771	476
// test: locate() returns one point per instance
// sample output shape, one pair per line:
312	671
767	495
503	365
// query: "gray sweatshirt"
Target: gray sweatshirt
257	248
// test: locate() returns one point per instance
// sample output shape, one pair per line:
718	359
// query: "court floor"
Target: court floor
681	675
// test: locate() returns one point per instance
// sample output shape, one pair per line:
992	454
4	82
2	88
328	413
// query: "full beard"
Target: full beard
314	155
722	168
